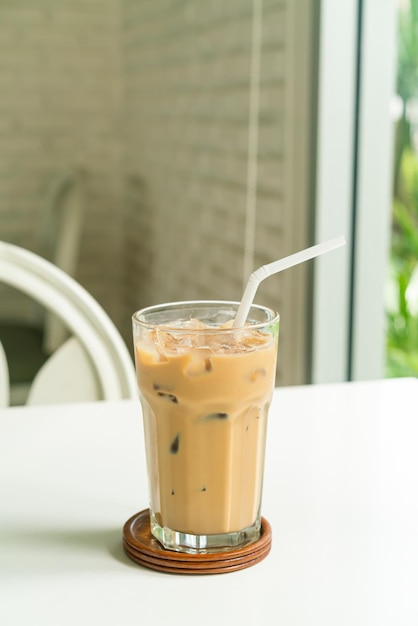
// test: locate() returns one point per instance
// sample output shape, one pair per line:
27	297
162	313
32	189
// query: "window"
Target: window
354	161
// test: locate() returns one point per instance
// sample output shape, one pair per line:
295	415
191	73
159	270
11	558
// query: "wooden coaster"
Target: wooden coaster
140	546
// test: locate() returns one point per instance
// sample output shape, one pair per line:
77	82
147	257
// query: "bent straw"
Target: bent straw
278	266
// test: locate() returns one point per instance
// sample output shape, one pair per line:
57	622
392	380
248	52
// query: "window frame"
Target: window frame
353	187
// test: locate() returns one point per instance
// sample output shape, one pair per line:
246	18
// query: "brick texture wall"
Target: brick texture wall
186	104
151	99
60	107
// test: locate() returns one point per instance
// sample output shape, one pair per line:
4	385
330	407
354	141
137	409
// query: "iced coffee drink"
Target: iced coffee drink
205	390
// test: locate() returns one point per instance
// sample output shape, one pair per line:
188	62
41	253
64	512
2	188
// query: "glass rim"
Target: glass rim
274	316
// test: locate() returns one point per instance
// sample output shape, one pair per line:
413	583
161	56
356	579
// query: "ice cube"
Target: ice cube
149	354
199	362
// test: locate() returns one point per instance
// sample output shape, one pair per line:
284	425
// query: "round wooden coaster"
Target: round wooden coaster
198	564
144	549
197	567
172	567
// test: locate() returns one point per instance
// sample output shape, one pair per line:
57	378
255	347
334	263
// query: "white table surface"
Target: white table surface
340	491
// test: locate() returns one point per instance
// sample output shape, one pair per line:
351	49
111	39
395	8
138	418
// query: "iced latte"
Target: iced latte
205	390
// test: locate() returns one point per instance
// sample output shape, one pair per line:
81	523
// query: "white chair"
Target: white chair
4	378
60	238
67	376
95	363
33	334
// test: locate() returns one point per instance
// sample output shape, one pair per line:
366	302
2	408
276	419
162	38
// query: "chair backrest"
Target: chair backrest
80	312
4	378
67	376
60	237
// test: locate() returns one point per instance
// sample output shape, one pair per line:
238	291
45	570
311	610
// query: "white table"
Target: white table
341	494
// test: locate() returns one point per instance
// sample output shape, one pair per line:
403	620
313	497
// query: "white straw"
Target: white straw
278	266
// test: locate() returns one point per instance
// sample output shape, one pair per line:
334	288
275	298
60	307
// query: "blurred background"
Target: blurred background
138	114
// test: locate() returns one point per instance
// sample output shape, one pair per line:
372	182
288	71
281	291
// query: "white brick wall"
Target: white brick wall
59	108
186	71
151	98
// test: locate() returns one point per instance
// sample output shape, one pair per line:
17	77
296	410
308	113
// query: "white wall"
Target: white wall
152	100
60	109
187	74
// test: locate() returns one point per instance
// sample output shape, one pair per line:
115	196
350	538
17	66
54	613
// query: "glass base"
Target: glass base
202	544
